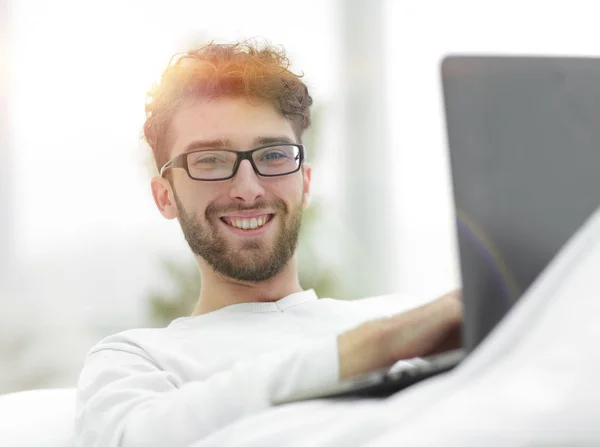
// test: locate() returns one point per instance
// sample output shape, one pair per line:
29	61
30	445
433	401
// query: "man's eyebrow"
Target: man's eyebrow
207	144
225	143
276	139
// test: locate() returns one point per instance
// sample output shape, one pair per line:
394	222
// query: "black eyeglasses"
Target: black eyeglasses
270	160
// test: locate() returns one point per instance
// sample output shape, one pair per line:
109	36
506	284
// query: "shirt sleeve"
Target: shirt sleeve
125	399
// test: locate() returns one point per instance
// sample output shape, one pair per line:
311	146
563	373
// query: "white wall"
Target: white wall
6	156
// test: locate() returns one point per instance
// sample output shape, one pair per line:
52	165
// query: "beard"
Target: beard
254	260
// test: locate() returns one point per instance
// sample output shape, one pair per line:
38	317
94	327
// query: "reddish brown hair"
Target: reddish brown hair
241	69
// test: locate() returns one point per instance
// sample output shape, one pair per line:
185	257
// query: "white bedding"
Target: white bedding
533	382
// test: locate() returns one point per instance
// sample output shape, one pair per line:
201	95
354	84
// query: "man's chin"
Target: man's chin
252	245
236	243
247	272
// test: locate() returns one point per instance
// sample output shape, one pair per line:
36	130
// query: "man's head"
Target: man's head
236	97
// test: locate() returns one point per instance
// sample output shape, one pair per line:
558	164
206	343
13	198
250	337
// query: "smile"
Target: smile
247	223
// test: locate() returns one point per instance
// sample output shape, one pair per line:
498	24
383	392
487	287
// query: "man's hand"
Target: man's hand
426	330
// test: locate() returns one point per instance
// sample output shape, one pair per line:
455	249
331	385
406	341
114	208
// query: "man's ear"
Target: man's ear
307	171
162	192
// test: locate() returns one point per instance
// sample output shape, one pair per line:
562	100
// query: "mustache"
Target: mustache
214	209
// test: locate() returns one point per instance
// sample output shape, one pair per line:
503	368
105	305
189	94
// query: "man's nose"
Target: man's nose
246	184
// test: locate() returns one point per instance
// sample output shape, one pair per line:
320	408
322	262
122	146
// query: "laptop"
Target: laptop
524	141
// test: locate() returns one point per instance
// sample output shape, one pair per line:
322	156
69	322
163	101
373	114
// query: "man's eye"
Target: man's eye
274	155
207	159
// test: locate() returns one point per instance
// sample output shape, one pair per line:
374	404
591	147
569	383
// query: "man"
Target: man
225	125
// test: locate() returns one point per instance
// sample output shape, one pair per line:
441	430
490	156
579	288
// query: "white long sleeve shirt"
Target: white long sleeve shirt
176	385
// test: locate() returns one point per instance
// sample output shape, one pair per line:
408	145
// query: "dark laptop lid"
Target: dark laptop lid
524	139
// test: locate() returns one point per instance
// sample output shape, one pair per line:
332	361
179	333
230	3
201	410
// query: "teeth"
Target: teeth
248	224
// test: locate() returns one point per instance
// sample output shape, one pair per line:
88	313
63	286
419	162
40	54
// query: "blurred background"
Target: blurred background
83	251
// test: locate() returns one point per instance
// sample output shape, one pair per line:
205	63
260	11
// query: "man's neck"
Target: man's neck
218	291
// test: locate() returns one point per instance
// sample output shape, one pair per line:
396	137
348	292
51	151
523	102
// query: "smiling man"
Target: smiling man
225	125
237	184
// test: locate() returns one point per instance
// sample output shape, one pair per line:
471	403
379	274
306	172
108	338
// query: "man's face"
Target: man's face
211	212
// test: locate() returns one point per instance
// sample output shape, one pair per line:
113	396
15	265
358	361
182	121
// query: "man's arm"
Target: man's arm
126	400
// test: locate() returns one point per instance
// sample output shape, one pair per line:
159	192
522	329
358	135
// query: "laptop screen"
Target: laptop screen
524	140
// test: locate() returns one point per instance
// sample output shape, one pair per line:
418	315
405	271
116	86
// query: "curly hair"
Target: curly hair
242	69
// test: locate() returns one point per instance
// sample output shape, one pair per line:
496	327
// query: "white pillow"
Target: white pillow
38	418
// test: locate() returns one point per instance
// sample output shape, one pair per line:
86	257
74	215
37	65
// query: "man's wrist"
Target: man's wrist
363	349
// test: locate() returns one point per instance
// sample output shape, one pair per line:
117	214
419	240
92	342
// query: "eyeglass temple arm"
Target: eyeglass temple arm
166	166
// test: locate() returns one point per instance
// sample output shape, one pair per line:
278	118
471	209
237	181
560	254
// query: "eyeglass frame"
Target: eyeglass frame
181	161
